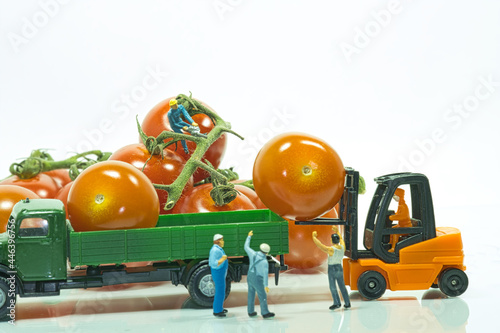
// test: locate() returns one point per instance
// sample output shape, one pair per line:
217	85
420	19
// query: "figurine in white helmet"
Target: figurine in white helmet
258	272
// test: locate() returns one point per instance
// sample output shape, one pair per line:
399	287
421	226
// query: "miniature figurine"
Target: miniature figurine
176	121
218	266
257	278
335	271
402	216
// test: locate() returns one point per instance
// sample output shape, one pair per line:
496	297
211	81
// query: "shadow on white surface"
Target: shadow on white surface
300	302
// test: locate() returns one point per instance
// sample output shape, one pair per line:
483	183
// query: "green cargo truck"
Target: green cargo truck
40	253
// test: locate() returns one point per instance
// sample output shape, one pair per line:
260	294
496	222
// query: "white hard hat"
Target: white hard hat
217	237
265	248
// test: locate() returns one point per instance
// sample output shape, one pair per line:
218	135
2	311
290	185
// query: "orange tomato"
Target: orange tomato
43	185
198	200
112	195
302	252
298	176
160	170
250	194
9	196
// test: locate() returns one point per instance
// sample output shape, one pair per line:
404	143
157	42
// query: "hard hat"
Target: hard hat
217	237
265	248
172	102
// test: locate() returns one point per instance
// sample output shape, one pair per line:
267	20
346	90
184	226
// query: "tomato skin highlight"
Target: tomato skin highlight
303	253
159	170
9	196
156	121
43	185
298	176
112	195
198	200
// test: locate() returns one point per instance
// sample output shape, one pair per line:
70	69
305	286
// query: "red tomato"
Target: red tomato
43	185
159	170
61	176
156	121
198	200
303	253
250	194
63	196
9	196
298	176
112	195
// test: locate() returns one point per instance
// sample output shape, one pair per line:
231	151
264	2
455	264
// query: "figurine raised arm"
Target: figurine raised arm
335	271
258	272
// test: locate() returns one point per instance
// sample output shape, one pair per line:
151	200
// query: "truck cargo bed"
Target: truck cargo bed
179	237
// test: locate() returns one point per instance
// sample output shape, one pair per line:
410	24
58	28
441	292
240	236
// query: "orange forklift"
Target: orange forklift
414	256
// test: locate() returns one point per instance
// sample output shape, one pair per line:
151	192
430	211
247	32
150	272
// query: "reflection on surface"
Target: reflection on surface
403	314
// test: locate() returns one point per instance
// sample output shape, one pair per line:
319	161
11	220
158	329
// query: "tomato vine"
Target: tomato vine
223	191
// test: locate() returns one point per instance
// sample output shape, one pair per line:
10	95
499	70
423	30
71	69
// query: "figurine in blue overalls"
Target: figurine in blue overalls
217	261
257	278
176	121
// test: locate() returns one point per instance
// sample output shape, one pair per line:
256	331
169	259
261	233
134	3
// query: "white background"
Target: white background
391	85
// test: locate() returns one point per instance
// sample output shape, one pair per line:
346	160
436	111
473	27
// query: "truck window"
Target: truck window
33	227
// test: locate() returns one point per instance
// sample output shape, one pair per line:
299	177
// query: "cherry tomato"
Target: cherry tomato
9	196
156	121
61	176
43	185
63	196
250	194
159	170
298	176
198	200
302	252
112	195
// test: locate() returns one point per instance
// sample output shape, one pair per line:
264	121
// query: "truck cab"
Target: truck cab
34	245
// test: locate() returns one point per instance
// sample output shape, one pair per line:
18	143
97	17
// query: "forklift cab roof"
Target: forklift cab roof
400	178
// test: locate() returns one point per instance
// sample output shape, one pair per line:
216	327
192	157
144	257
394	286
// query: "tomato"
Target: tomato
198	200
63	196
302	252
9	196
250	194
156	121
43	185
159	170
298	176
112	195
61	176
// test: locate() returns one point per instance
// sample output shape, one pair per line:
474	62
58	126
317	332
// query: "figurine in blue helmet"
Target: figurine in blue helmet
257	278
175	115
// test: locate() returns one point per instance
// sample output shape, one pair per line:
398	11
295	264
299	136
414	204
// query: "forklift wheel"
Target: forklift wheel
453	282
371	285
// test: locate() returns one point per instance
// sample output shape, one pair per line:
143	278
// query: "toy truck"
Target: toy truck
423	256
40	253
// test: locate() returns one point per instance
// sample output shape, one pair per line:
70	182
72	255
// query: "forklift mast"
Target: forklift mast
378	227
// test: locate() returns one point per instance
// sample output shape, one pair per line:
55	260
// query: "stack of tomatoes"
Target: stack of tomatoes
298	176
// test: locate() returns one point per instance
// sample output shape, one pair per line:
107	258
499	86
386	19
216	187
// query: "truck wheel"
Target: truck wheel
201	287
7	299
371	284
453	282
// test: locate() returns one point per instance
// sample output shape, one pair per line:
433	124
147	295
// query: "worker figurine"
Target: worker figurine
335	271
176	121
257	278
402	215
218	267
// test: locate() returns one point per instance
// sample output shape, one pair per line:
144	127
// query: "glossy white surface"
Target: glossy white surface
300	301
